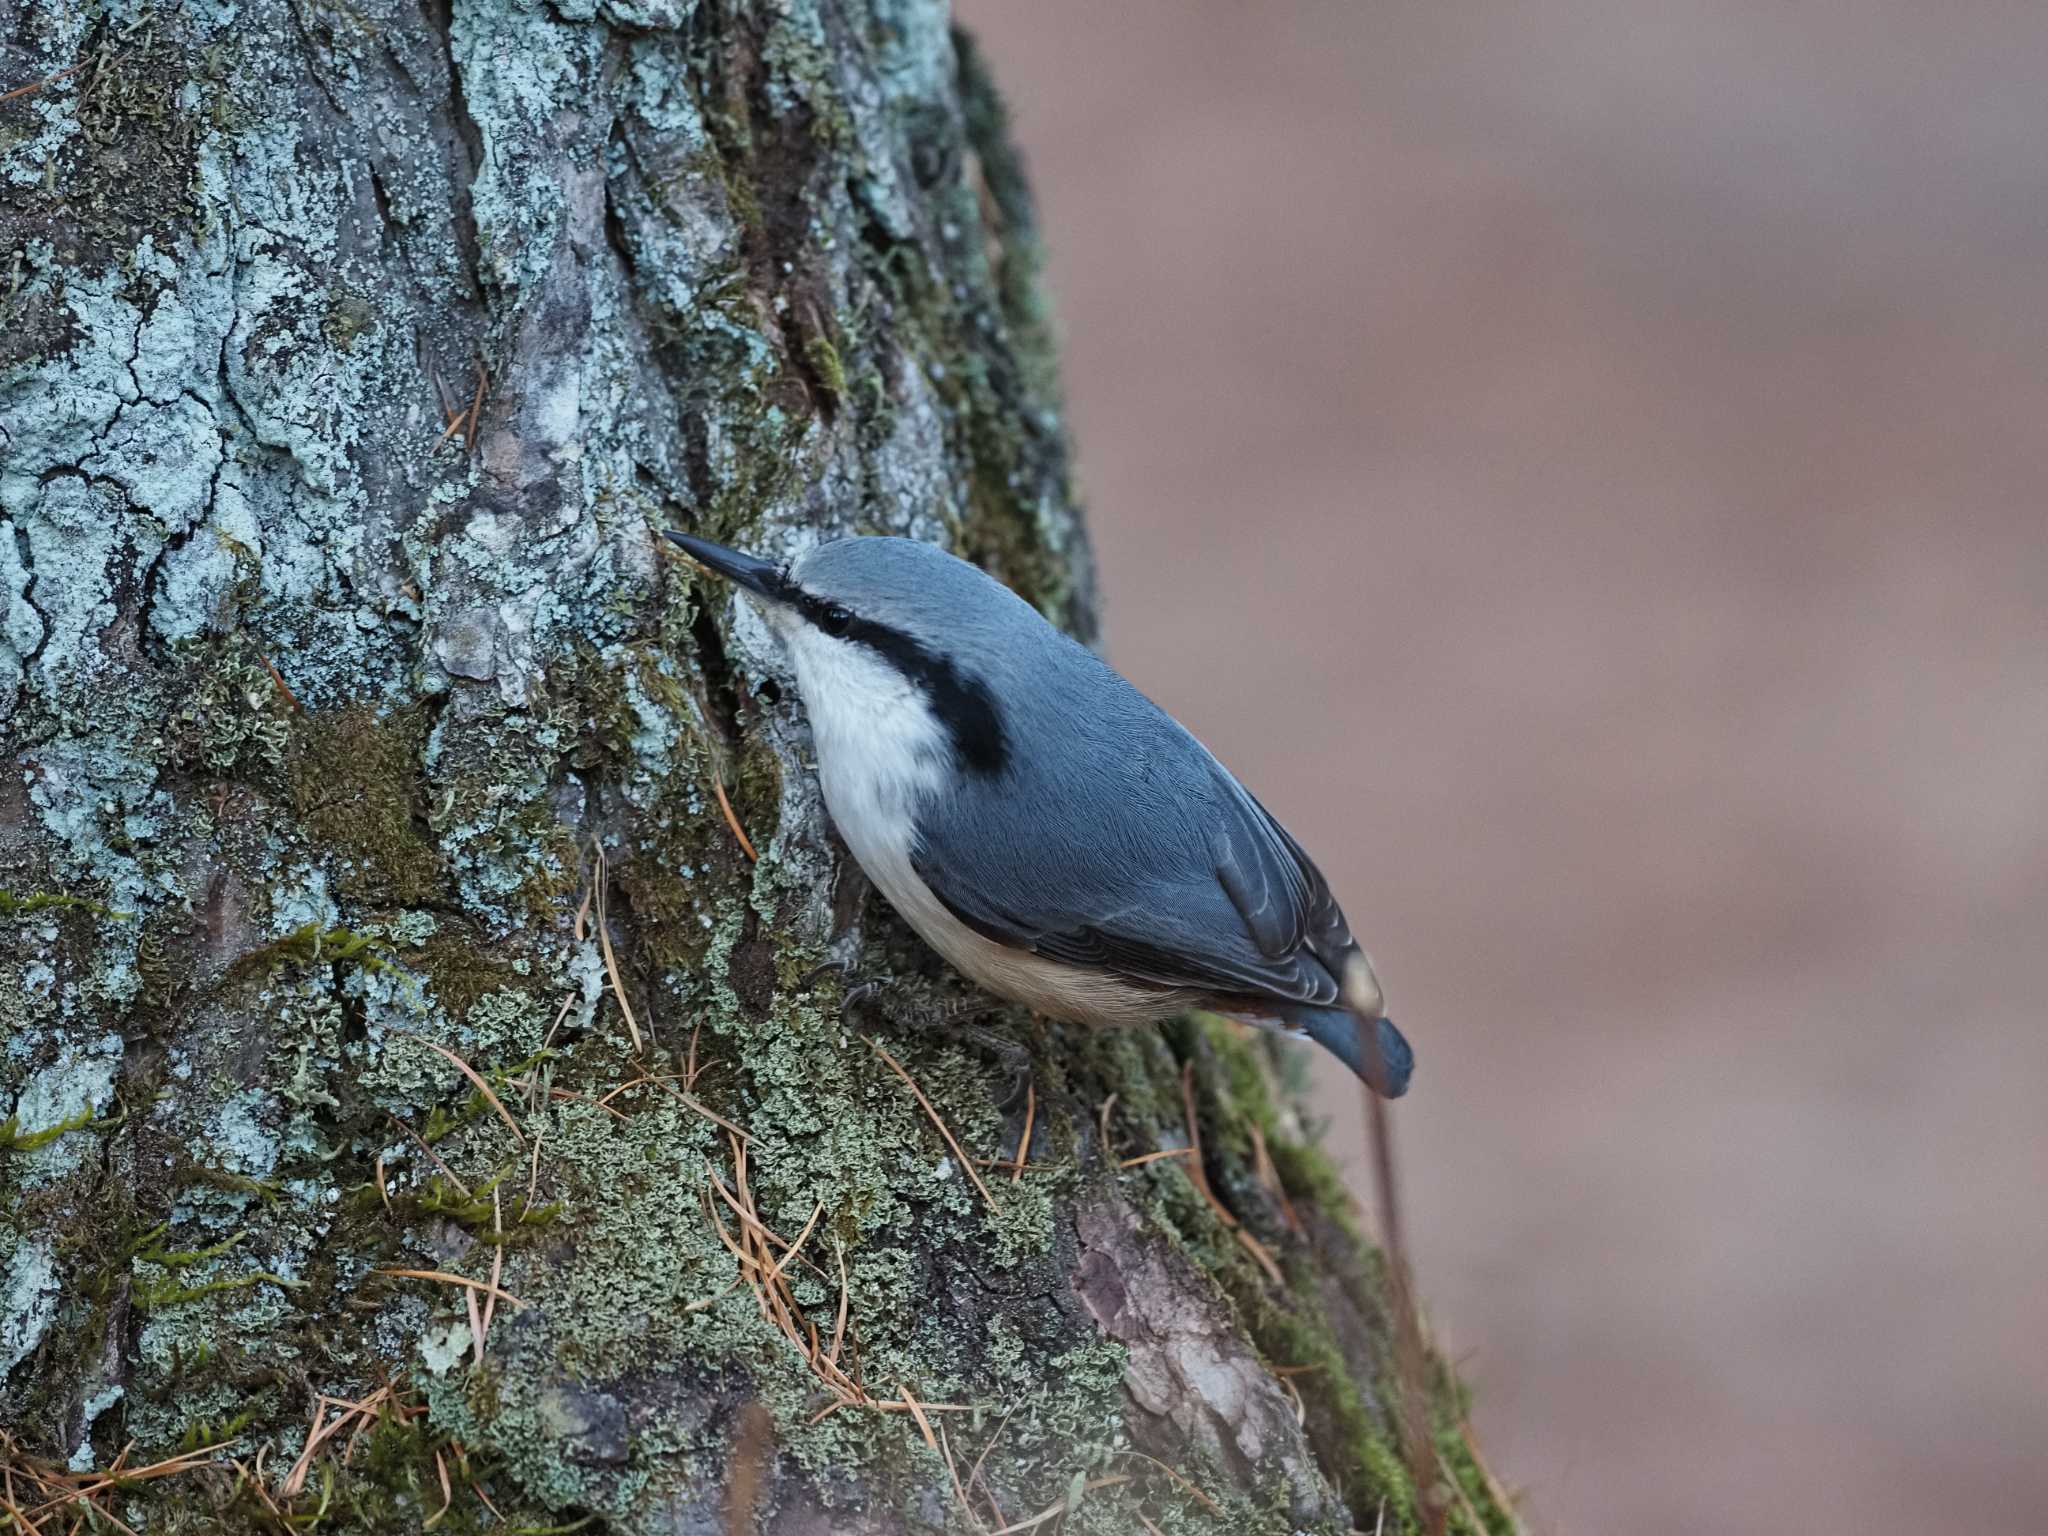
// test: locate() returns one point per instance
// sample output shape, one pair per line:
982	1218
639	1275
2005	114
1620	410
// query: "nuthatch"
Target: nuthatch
1044	826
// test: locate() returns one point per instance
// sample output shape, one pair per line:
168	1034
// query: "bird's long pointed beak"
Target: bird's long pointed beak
761	577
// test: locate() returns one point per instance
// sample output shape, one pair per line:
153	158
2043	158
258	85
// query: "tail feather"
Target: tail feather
1385	1063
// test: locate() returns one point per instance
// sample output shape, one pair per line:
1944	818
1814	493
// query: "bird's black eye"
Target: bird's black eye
835	620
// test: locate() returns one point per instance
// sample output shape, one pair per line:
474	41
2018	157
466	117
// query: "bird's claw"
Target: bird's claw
908	1006
853	997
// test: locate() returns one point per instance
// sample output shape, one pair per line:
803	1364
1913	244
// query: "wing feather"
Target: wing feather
1154	864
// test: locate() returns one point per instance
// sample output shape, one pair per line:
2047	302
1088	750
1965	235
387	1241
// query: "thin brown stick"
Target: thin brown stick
582	1098
1196	1171
36	85
1152	1157
1200	1175
475	1077
1465	1502
974	1475
917	1412
611	961
1261	1256
1268	1175
448	410
277	677
1024	1136
839	1327
698	1106
961	1157
1502	1499
456	424
733	821
690	1067
715	1298
953	1472
775	1270
568	1002
117	1474
497	1266
604	1099
447	1492
476	409
533	1172
445	1278
446	1172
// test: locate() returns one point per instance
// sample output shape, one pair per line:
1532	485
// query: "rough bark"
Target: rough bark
345	746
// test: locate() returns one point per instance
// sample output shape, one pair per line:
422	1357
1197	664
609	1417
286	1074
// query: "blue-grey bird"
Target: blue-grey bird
1049	830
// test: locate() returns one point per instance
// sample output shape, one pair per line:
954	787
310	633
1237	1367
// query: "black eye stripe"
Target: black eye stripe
829	616
962	702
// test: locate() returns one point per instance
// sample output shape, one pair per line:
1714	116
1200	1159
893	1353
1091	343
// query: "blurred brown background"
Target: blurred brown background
1582	464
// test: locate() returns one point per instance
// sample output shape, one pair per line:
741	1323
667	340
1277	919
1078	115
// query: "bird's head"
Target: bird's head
887	627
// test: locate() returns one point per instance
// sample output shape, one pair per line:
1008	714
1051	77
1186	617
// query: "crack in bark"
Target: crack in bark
462	142
24	553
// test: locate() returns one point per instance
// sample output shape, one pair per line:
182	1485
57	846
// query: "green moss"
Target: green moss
399	1472
460	969
311	944
12	905
227	1181
347	318
149	1250
824	360
504	1222
356	785
14	1139
155	1296
203	1434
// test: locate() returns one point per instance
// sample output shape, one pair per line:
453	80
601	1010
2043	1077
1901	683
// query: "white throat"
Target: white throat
882	753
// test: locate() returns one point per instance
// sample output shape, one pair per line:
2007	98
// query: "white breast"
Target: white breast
881	755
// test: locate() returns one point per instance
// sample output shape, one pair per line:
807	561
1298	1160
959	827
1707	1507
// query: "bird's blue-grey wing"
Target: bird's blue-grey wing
1145	858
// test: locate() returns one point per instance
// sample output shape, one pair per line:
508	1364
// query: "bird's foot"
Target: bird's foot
916	1005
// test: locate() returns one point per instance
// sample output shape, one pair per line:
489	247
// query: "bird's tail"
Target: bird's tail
1384	1064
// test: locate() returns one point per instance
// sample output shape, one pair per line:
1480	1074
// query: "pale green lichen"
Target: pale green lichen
28	1296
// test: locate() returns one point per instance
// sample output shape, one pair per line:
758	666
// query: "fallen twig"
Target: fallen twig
36	85
446	1278
733	821
966	1163
1024	1136
475	1077
611	961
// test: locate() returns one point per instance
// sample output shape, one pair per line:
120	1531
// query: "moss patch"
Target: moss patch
357	786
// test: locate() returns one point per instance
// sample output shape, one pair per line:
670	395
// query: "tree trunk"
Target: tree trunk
369	898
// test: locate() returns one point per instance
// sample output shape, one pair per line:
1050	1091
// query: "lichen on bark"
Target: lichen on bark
352	357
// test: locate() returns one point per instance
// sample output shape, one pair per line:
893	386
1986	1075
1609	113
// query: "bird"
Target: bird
1051	832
